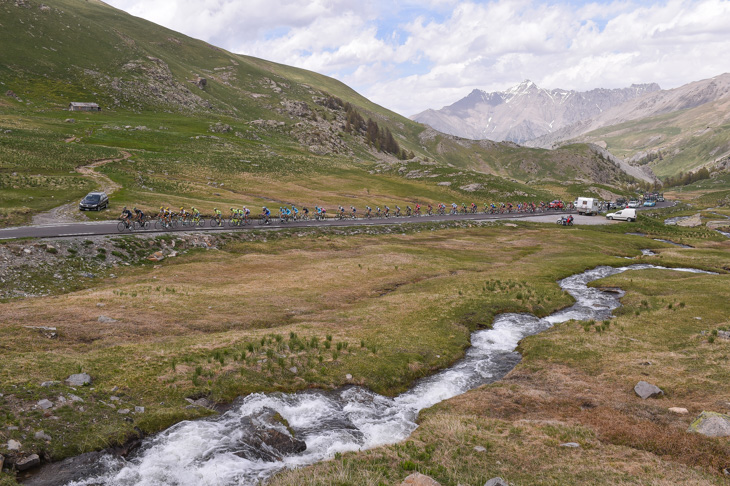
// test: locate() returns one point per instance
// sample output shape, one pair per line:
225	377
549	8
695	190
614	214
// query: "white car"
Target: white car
634	204
628	214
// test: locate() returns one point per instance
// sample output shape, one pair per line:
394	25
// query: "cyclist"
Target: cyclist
418	210
408	211
353	212
266	215
397	210
430	209
287	214
295	211
139	215
126	216
368	212
246	214
218	216
342	212
387	211
454	208
306	212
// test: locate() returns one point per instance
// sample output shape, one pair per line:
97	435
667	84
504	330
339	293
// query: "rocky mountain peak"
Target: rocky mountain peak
525	111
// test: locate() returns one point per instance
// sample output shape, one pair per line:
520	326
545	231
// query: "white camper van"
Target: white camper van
586	205
628	214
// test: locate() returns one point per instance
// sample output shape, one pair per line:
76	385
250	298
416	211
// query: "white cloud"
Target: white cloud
409	55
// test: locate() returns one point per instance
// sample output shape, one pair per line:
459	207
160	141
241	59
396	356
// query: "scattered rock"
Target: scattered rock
79	379
647	390
106	319
27	462
69	120
511	225
472	187
679	410
496	482
138	409
647	363
480	449
74	398
114	399
45	404
14	445
49	332
444	183
220	128
570	444
203	402
418	479
156	257
348	377
47	384
294	369
123	411
711	424
41	435
723	334
99	304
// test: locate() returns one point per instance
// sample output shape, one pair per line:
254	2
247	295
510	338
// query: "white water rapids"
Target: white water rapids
204	452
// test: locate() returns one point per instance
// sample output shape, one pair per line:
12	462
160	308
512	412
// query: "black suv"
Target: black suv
94	200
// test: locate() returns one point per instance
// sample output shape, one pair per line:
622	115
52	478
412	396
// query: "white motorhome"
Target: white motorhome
587	205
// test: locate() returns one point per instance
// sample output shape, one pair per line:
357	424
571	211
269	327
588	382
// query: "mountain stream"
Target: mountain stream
221	450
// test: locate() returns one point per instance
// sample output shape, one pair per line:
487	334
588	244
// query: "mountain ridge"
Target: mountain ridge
525	111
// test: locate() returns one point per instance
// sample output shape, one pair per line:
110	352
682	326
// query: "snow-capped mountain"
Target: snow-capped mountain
525	111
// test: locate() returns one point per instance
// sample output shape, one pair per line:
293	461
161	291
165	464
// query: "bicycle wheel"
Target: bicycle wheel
121	226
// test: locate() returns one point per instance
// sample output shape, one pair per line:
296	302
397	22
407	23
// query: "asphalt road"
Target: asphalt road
110	227
97	228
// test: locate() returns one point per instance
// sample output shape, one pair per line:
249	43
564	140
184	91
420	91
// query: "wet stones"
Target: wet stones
266	437
27	462
646	390
68	470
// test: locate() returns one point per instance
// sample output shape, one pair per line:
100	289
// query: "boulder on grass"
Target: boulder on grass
647	390
79	379
711	424
418	479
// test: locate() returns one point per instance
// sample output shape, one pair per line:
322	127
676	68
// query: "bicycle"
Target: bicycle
125	225
141	223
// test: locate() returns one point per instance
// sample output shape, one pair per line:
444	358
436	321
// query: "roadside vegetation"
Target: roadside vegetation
389	305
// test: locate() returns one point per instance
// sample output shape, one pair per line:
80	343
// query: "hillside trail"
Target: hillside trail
69	213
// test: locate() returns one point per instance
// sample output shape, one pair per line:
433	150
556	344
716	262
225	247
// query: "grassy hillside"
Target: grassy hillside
209	128
687	139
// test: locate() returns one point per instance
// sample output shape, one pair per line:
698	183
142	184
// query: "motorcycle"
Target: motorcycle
566	221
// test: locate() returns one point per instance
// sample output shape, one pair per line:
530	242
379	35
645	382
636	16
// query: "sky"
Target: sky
411	55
